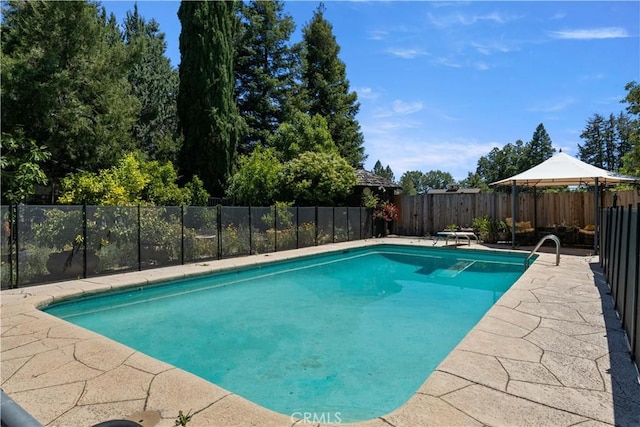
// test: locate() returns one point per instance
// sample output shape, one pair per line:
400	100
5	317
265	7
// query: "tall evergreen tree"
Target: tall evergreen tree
537	150
606	141
631	157
265	65
327	88
154	82
592	151
64	83
380	170
207	114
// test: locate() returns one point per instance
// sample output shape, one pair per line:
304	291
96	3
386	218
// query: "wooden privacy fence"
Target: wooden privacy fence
429	213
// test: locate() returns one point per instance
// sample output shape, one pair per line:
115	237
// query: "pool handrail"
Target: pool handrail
552	237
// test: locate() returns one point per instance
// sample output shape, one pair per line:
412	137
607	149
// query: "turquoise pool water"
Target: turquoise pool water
349	335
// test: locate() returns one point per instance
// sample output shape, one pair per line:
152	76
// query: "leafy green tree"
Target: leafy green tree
437	179
327	88
20	161
154	82
412	183
257	178
379	170
302	133
64	84
131	181
207	115
537	150
502	163
474	180
265	68
317	179
631	159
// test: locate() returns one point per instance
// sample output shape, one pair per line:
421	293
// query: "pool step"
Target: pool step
453	270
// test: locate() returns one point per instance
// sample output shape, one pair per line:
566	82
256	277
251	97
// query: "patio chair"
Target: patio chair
586	234
525	233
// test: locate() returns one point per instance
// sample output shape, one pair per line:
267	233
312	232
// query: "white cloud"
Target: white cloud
448	62
591	34
398	108
557	16
407	53
404	108
366	93
552	108
488	48
378	35
482	66
405	153
459	18
596	76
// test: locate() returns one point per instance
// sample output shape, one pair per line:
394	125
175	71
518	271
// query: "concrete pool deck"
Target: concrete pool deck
550	352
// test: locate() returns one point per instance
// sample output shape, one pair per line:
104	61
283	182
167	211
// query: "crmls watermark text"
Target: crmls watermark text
317	417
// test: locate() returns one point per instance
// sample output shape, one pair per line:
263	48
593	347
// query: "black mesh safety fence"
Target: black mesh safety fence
112	239
307	227
620	260
235	231
49	243
201	235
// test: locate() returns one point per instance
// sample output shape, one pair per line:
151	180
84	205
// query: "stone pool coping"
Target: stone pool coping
550	352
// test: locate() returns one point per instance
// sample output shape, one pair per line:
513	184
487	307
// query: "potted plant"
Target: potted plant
502	230
383	215
489	230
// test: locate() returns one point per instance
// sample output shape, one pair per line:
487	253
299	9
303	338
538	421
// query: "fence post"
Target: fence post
348	233
17	284
610	247
139	241
219	227
333	224
616	277
297	227
182	234
84	239
10	240
316	219
275	228
250	232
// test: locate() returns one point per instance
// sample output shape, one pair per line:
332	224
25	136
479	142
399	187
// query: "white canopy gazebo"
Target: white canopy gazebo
562	170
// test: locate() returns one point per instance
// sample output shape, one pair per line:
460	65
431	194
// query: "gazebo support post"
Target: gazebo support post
513	215
595	217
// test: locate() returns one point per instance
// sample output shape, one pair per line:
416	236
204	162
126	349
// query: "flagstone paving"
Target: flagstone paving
551	352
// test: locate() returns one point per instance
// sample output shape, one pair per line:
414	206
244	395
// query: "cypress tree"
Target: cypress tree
207	115
327	87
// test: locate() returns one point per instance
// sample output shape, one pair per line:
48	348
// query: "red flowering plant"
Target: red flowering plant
386	211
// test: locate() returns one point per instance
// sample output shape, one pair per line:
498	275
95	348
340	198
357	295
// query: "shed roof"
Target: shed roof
369	179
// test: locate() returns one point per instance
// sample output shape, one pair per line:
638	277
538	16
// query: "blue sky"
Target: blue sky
442	83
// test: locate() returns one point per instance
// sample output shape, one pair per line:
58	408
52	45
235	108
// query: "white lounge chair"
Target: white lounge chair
457	235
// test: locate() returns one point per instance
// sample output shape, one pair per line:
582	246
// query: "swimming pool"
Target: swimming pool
352	333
